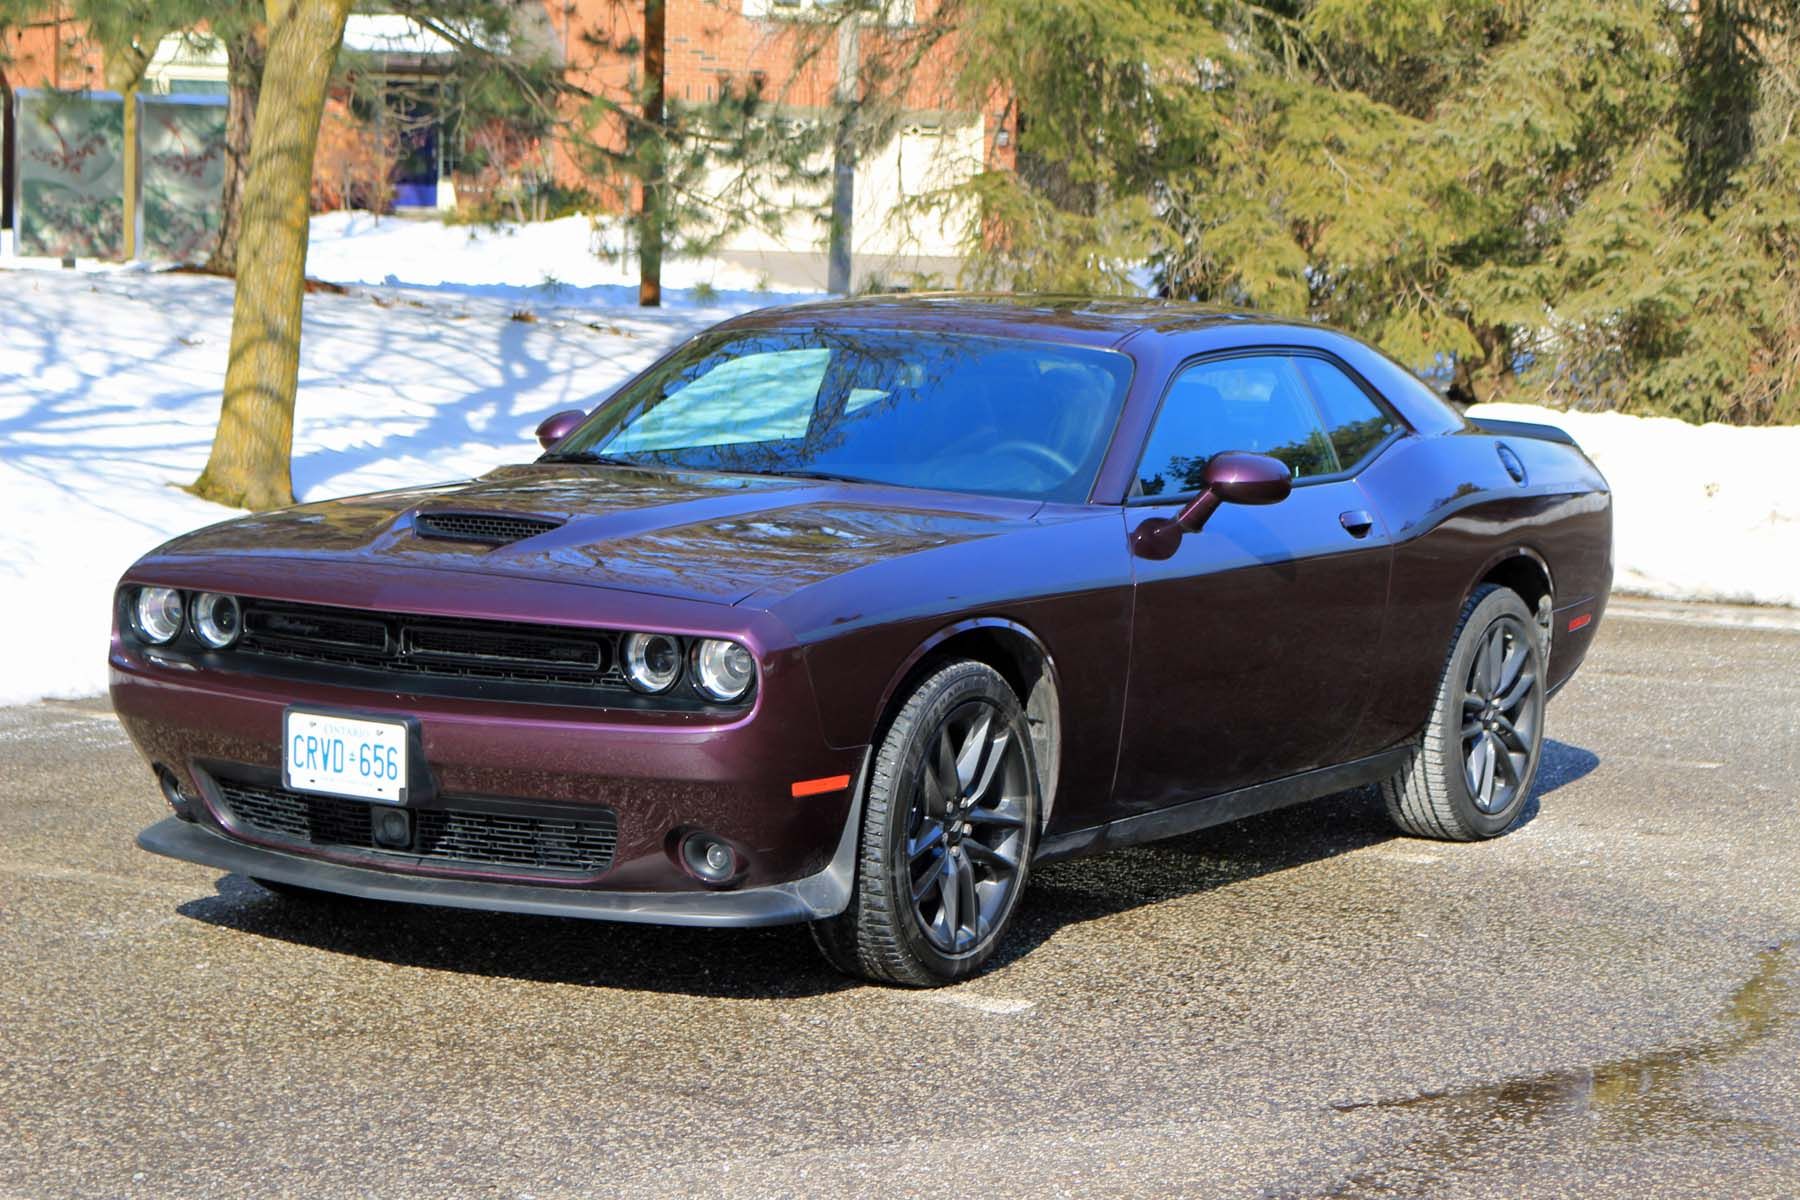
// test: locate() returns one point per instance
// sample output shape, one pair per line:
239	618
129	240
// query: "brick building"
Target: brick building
793	53
783	45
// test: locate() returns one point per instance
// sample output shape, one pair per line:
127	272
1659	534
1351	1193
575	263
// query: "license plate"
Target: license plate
344	756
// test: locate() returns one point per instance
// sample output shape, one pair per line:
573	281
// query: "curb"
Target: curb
1717	616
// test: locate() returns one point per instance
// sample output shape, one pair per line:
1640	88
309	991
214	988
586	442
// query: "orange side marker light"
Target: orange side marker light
818	787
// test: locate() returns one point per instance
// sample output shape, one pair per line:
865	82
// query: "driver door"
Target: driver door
1254	645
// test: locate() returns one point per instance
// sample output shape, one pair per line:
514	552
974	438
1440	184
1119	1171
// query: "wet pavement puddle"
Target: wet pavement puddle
1653	1096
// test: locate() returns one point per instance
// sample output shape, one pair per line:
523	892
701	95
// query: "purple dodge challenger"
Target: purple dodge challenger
851	613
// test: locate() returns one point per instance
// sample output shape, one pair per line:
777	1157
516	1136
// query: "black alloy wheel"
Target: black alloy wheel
966	830
1469	771
949	823
1500	722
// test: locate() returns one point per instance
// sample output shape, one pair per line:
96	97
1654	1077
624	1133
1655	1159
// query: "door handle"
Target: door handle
1357	521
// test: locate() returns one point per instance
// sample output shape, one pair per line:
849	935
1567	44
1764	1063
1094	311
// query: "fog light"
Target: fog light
171	790
708	859
393	828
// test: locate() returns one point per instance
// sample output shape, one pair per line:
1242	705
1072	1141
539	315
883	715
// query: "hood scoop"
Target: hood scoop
488	528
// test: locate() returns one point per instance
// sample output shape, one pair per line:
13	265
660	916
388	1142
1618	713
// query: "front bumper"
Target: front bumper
661	775
816	896
657	783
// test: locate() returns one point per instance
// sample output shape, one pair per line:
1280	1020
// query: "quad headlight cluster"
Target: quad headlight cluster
719	669
159	613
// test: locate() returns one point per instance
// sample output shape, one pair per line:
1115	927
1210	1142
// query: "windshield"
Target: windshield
1001	416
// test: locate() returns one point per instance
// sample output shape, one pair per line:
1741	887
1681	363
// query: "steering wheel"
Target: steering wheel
1037	450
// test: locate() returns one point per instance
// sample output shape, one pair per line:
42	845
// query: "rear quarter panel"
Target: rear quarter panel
1455	513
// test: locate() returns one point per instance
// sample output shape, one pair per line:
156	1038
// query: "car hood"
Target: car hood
696	536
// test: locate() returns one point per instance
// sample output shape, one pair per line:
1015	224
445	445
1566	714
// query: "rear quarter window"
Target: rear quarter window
1355	424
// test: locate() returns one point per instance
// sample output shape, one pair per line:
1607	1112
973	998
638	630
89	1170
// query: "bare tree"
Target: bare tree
843	171
650	216
244	52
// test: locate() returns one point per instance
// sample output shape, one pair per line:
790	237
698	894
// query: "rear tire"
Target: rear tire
1470	770
949	825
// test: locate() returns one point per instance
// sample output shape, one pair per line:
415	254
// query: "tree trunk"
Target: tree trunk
250	462
843	171
123	69
7	152
650	215
244	54
1474	379
132	190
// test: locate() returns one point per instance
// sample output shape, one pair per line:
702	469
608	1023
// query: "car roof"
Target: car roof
1088	320
1164	331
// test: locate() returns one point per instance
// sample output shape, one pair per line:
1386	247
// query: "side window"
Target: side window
1256	403
1353	422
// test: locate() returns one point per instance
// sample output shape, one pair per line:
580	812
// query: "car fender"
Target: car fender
891	693
1521	550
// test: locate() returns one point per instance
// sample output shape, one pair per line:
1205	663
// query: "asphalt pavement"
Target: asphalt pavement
1601	1003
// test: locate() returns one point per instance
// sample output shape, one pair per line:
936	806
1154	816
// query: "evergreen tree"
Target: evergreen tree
1588	201
700	168
690	171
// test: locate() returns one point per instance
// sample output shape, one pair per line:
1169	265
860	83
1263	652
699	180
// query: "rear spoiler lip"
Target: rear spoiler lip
1524	429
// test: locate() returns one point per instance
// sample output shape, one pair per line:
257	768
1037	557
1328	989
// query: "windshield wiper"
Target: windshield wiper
826	476
614	460
589	456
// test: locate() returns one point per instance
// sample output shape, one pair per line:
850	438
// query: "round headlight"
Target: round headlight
652	661
157	614
217	620
722	670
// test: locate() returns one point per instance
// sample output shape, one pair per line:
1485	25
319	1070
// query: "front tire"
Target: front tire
949	825
1470	771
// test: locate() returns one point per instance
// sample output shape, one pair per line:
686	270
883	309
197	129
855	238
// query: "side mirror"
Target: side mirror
1234	477
557	426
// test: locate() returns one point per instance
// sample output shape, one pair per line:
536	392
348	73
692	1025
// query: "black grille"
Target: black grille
321	821
444	647
495	529
503	646
542	843
551	845
313	627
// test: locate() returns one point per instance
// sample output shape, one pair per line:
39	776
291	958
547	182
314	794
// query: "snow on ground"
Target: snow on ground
1699	513
571	261
110	381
